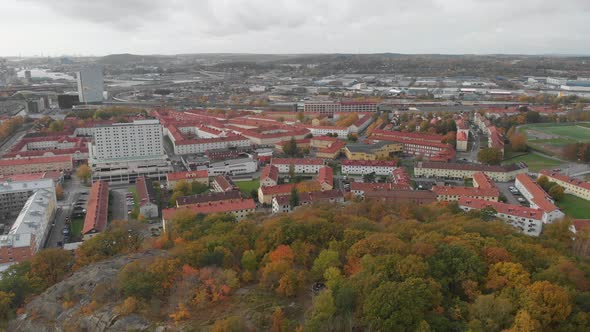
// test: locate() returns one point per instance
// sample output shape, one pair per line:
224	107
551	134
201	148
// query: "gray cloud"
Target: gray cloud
288	26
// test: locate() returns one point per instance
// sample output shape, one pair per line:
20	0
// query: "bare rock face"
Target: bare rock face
71	305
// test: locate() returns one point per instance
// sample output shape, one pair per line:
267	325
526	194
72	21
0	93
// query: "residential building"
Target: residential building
332	151
412	197
35	165
376	151
341	132
360	188
231	167
329	108
28	233
146	198
573	186
266	194
240	209
482	181
90	84
97	210
379	167
462	171
449	194
121	152
282	204
528	220
301	165
538	198
201	176
14	195
269	176
207	139
427	146
326	178
223	183
209	197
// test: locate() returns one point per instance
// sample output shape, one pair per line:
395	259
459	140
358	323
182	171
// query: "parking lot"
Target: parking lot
512	196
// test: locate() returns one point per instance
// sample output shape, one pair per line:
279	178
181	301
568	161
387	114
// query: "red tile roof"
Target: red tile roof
224	182
465	191
209	197
277	190
98	207
326	175
373	163
483	181
581	224
539	196
468	167
177	176
509	209
297	161
212	207
271	172
333	148
565	178
41	160
406	136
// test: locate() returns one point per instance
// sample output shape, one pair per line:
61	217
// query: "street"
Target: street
72	190
119	204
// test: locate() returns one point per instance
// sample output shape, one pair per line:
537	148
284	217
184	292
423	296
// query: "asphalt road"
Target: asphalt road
72	190
119	204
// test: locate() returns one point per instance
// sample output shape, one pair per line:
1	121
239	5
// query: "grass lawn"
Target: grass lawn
575	207
535	162
76	227
570	131
247	186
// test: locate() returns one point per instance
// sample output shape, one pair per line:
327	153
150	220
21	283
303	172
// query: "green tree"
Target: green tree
294	198
291	172
490	156
327	258
542	181
56	126
400	306
557	192
322	312
290	148
453	264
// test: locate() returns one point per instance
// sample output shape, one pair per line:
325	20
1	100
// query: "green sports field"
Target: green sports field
550	138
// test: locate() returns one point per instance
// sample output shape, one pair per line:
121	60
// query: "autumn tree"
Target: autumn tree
490	313
50	266
490	156
518	142
84	173
543	181
5	305
294	197
327	258
547	303
59	192
278	321
322	312
557	192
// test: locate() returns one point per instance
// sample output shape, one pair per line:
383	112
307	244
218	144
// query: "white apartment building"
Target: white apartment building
90	84
538	198
123	151
231	167
336	107
301	166
342	132
13	195
368	166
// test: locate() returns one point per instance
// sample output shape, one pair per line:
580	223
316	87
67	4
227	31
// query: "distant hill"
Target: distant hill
126	58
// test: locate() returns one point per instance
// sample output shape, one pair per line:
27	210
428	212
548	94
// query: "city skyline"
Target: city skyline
283	27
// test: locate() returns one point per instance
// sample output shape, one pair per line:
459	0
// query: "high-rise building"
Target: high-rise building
90	84
121	152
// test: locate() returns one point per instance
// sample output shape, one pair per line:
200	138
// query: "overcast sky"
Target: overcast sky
99	27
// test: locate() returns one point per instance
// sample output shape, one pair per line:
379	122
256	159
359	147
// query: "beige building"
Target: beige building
502	173
572	186
35	165
377	151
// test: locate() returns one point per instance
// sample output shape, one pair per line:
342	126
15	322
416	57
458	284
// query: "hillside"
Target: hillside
363	267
